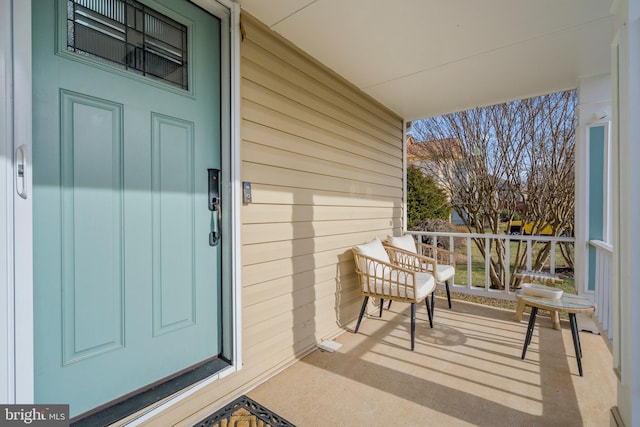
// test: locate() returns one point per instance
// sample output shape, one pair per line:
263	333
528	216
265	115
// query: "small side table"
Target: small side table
568	303
530	276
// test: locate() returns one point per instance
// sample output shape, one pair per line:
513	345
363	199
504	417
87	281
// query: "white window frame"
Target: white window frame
607	198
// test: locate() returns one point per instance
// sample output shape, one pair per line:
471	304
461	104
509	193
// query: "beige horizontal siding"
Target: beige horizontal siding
285	177
266	195
325	164
272	119
259	214
301	65
253	255
294	162
285	285
259	233
262	66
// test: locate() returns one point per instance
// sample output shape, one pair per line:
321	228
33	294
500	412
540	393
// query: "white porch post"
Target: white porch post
626	93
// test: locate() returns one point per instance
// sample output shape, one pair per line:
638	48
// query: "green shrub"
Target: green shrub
425	200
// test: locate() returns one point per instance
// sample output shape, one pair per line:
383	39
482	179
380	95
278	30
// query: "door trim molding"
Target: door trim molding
23	232
236	119
6	213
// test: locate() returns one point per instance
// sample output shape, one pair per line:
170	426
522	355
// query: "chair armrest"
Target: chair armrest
383	265
443	256
411	260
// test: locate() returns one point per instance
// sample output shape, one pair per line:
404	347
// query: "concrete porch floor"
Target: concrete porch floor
465	371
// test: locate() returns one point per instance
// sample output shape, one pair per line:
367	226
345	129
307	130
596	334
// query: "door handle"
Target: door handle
21	171
214	189
213	178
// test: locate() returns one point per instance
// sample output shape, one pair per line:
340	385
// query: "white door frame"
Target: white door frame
19	284
6	212
16	265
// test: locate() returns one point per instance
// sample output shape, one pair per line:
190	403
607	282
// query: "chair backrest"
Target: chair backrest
373	249
405	242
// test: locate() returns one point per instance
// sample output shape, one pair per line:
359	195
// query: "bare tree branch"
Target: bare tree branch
516	157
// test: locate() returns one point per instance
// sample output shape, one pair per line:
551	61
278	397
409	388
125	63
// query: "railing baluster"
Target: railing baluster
604	286
469	264
603	294
506	293
487	263
507	273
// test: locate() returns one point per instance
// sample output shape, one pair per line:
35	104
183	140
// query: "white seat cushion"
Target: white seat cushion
424	286
445	272
405	242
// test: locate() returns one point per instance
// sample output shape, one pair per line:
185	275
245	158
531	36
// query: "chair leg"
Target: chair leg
429	312
381	305
413	325
389	306
364	307
433	303
446	284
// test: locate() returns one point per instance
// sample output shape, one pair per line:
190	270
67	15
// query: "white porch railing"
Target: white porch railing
484	289
603	295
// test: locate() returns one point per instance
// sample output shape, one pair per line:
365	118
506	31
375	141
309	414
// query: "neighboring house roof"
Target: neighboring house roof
419	151
412	155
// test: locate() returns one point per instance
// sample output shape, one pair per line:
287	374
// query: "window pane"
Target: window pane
130	35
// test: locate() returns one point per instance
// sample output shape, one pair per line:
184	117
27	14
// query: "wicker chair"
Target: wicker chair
379	278
423	257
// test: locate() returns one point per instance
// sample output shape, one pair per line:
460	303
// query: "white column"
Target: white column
626	236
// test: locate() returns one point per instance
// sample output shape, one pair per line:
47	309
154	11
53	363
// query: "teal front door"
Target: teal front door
126	123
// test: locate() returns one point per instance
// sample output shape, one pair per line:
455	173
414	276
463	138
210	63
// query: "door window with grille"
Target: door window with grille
130	35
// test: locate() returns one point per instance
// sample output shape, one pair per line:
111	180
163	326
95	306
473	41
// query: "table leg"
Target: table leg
519	310
555	320
532	323
576	340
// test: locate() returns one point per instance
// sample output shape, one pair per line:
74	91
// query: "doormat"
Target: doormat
244	412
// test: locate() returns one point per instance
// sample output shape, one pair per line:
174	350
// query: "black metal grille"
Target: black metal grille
223	415
130	35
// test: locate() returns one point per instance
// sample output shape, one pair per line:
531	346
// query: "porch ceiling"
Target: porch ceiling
428	57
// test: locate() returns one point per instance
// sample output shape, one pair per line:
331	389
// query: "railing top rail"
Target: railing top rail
493	236
607	247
